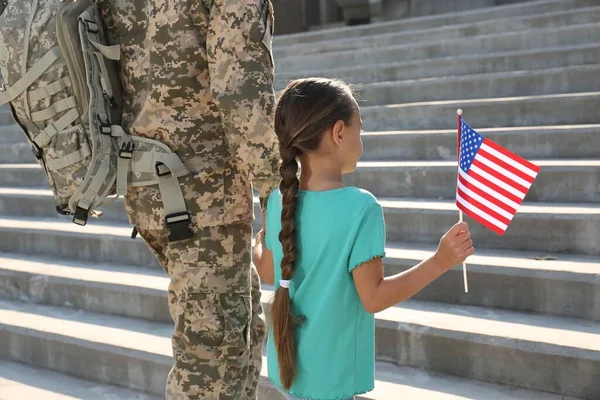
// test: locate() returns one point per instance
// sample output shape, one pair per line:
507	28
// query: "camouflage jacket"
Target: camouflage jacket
198	76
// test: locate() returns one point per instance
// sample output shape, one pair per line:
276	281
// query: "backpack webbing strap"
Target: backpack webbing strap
83	206
107	91
70	159
177	217
45	136
50	89
31	76
53	109
126	148
110	52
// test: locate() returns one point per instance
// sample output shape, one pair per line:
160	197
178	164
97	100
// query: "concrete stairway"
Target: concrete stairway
91	302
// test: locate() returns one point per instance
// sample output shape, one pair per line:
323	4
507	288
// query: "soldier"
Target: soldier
198	76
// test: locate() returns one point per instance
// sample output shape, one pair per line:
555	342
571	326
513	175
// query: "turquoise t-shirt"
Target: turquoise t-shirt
336	231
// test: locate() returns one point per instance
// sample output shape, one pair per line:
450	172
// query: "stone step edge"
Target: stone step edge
51	385
530	130
571	69
488	101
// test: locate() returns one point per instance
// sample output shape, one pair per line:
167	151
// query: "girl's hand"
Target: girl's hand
455	246
260	237
263	259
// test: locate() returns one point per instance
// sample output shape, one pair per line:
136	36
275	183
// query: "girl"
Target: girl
327	242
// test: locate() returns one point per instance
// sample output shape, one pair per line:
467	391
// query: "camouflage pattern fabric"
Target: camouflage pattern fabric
198	76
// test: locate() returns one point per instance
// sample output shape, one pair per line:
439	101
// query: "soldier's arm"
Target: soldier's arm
242	75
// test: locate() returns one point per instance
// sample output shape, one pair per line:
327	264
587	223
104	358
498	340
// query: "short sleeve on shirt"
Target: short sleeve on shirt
369	240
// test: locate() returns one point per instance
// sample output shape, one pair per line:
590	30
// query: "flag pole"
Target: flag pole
460	213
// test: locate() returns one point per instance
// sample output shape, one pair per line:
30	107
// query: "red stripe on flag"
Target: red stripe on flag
500	177
483	208
494	187
486	196
511	155
506	166
479	219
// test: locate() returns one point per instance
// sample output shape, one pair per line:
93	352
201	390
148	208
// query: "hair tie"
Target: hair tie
284	283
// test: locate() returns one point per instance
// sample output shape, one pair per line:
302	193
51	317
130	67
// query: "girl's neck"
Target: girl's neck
319	174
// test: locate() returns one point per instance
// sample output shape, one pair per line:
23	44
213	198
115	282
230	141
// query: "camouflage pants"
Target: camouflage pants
214	299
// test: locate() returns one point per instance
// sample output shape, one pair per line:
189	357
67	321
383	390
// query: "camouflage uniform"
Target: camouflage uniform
198	76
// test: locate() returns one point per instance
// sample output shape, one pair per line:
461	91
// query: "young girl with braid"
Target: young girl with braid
323	248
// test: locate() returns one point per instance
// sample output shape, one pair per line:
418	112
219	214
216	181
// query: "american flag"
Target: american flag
492	181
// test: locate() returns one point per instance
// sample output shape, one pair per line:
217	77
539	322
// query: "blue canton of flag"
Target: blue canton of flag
470	142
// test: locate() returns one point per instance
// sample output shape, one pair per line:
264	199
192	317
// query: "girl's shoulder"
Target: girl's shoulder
349	196
361	197
274	198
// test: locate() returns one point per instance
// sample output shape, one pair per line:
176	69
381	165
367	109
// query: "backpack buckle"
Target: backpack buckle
62	211
90	26
179	226
103	126
110	100
126	150
36	150
161	170
81	216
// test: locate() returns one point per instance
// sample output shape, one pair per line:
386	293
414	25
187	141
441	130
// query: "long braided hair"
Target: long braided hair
305	110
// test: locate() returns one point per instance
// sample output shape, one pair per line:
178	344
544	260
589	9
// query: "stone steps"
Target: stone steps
484	14
531	39
558	181
560	109
502	84
5	117
136	353
22	382
566	181
541	142
16	153
530	142
570	228
9	132
470	29
499	279
456	65
91	302
23	175
525	350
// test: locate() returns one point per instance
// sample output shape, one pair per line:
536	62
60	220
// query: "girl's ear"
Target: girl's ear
337	132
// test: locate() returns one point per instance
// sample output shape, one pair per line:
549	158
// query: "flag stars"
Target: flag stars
470	141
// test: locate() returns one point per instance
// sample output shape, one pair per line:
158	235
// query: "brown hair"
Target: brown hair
305	110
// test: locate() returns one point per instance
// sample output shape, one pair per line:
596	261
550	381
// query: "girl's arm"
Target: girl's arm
263	259
378	293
